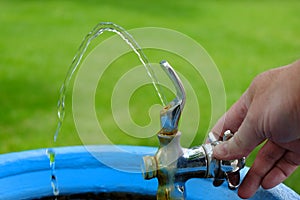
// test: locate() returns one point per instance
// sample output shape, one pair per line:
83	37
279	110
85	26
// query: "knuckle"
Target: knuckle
292	159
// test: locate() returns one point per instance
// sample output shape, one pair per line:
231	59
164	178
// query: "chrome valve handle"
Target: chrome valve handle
228	169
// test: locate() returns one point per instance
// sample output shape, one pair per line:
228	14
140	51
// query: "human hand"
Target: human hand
268	111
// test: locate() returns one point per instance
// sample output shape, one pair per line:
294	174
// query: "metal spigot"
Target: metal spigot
173	165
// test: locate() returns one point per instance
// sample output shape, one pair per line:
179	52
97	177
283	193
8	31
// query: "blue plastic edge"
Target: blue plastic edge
80	169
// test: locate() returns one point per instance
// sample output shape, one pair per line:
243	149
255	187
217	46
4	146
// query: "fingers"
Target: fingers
233	118
241	144
272	165
266	158
292	146
284	168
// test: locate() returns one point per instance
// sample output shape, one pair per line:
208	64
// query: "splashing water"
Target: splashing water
98	30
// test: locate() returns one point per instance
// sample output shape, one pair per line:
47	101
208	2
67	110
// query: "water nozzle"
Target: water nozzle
170	114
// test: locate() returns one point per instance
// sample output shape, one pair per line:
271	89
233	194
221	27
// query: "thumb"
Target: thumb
241	144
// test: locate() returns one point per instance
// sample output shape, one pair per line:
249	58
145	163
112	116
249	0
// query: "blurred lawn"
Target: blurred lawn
40	38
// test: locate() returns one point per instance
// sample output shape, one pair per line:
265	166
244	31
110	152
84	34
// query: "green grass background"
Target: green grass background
38	40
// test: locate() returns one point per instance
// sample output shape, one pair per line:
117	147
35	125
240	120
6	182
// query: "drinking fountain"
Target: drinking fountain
173	165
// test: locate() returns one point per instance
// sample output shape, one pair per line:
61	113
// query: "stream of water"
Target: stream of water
54	185
98	30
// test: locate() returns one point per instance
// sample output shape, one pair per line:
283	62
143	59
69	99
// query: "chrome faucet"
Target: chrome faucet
173	165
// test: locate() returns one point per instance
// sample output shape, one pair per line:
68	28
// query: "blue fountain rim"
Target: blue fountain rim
26	175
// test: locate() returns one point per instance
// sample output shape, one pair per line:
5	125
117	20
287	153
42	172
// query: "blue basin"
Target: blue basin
26	175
